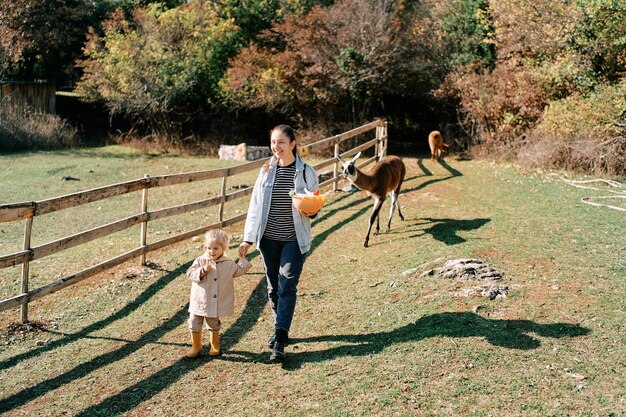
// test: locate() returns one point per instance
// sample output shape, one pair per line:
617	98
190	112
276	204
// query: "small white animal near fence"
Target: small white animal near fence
26	211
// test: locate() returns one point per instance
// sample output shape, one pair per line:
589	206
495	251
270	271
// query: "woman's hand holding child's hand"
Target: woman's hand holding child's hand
243	249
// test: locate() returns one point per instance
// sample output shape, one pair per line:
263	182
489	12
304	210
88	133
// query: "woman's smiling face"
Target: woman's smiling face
281	147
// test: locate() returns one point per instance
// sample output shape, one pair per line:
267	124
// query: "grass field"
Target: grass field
367	340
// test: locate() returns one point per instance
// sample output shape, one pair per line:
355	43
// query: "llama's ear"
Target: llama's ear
355	157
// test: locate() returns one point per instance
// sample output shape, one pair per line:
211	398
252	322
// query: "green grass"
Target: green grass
362	347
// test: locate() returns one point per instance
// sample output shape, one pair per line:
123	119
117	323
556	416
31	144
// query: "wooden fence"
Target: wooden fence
25	211
18	96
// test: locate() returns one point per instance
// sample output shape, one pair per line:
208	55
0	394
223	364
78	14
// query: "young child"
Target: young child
212	290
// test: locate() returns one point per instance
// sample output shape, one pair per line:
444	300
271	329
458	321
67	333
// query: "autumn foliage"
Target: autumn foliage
41	39
514	79
342	59
557	64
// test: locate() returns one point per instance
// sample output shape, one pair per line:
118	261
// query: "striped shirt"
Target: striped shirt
280	218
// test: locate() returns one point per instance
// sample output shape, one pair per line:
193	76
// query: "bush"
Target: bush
599	37
582	133
497	106
30	129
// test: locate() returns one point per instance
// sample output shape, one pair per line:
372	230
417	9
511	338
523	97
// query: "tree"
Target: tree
102	9
535	29
162	67
254	16
467	29
349	55
40	39
601	37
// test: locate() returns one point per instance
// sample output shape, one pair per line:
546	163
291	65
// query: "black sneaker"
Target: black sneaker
272	340
278	351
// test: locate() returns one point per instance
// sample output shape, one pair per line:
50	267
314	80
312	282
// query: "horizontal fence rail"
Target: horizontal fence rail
27	210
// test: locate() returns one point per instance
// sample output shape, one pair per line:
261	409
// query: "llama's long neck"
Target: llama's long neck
365	181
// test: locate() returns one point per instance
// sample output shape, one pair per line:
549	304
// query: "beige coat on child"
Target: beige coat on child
214	294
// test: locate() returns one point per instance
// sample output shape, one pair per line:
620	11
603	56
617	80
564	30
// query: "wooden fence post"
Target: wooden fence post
379	146
336	167
143	236
386	138
381	143
220	215
25	268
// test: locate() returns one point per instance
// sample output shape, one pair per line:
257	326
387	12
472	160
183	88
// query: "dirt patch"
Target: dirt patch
21	329
463	270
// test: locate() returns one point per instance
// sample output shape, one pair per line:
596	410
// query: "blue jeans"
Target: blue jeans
283	265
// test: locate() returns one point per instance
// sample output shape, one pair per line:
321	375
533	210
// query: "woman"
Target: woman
281	232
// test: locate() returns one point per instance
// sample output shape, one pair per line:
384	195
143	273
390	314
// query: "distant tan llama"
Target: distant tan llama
437	146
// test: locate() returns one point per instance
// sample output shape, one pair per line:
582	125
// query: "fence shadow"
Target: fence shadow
454	173
139	392
321	236
80	371
148	293
328	212
84	369
131	396
509	334
128	398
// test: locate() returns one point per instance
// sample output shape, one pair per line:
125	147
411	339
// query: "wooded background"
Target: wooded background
539	82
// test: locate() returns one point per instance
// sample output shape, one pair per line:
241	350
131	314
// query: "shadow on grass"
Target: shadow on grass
328	212
454	173
98	362
133	395
145	389
152	289
321	236
139	392
443	230
509	334
446	230
426	171
451	170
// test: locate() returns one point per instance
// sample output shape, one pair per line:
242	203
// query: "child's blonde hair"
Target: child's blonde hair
217	235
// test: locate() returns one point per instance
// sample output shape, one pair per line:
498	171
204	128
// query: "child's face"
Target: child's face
214	249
